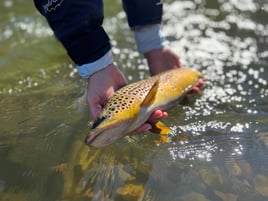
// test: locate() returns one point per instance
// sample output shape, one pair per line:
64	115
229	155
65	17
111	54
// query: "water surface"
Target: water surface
219	145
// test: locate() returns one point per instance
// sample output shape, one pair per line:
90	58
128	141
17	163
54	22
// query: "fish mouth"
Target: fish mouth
91	139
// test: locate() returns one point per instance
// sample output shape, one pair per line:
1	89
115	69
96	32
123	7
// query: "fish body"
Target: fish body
131	106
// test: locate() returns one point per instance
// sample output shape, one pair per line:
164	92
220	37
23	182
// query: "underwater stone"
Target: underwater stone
194	196
233	168
226	196
264	138
212	177
2	186
246	168
261	184
131	191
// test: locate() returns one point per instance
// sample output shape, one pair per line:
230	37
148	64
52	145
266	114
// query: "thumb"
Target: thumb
95	109
120	80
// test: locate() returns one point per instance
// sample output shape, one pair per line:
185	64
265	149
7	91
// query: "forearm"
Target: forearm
144	18
78	26
143	12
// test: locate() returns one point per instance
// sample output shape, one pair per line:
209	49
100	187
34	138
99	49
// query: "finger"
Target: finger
122	82
157	114
96	111
120	79
200	83
178	62
94	107
145	127
194	90
197	87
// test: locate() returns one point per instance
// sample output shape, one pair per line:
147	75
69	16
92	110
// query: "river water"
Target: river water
219	144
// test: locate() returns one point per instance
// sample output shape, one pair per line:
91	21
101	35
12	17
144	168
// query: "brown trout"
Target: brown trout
131	106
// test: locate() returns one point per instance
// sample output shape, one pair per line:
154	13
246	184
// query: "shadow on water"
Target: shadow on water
219	143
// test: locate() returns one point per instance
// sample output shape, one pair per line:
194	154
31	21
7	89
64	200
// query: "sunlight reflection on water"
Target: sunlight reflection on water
222	154
200	151
24	27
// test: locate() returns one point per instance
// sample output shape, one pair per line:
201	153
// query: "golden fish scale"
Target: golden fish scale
126	97
129	98
175	83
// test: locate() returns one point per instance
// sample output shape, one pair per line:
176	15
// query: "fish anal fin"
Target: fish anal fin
160	128
150	97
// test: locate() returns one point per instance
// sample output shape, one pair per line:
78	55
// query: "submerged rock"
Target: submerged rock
2	185
261	184
226	196
264	138
131	191
194	196
246	168
212	177
233	168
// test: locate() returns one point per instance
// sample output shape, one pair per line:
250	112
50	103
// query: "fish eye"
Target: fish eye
98	121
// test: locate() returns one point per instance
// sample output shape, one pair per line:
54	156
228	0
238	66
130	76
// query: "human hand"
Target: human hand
157	114
162	59
101	86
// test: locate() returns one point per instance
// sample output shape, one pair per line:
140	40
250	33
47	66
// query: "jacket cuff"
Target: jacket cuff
148	38
86	70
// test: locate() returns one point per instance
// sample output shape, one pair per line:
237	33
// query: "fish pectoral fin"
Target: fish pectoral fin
160	128
150	97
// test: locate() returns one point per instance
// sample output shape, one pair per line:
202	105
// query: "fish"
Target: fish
132	105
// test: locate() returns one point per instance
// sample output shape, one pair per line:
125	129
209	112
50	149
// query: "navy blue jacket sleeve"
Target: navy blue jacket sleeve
143	12
78	26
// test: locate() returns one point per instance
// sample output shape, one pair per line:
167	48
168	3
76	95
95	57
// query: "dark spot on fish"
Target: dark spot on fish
98	121
112	108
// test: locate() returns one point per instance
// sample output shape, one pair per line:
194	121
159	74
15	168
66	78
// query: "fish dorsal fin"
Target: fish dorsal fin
160	128
150	97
